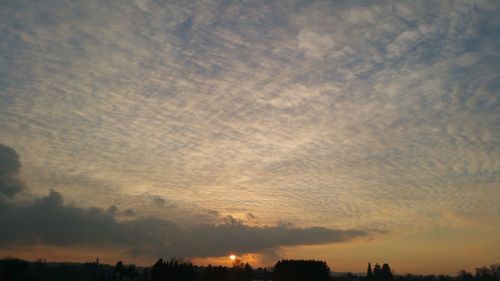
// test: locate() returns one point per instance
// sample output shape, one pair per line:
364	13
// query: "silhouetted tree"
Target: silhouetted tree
157	270
377	272
145	274
219	273
261	274
173	270
130	272
11	267
369	272
238	264
495	271
442	277
301	270
463	275
386	273
117	273
491	273
239	272
247	272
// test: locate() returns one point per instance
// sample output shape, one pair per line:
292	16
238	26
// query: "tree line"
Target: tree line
178	269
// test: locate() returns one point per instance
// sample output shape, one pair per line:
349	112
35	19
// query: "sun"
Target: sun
232	257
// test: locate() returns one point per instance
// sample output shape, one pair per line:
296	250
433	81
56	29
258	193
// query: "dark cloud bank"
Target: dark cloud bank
9	169
48	220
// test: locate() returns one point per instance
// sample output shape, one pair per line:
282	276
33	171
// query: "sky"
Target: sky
347	131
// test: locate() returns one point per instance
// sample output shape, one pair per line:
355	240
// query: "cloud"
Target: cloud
129	213
112	210
49	221
115	211
315	45
159	201
375	114
10	167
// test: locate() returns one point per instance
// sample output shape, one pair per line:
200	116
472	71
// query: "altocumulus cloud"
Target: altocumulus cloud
349	110
48	220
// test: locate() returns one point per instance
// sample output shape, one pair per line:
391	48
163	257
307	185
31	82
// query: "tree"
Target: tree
495	271
11	267
173	270
238	264
301	270
369	273
386	272
247	272
463	275
157	270
131	272
117	271
377	272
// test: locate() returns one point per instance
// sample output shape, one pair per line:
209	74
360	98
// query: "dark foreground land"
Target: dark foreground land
12	269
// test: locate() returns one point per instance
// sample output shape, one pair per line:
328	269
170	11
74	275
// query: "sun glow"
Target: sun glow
232	257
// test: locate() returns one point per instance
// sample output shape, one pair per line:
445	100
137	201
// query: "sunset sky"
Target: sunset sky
346	131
